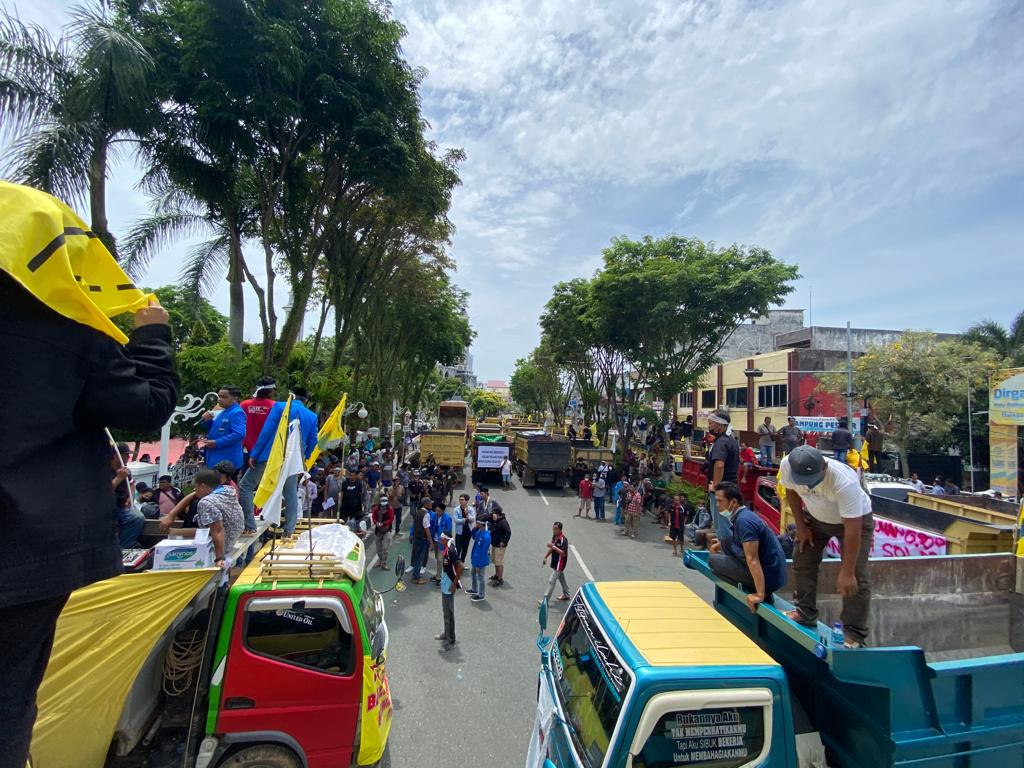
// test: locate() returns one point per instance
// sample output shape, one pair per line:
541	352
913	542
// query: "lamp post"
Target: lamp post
193	407
359	410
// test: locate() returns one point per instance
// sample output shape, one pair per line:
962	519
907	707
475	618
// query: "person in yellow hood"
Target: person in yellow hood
69	372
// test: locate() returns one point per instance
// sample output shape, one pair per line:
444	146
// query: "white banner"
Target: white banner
897	540
490	456
824	423
538	751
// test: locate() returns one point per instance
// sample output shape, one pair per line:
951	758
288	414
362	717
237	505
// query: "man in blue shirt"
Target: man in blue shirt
440	525
749	554
308	427
480	560
225	430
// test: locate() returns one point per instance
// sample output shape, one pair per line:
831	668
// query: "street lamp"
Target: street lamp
193	407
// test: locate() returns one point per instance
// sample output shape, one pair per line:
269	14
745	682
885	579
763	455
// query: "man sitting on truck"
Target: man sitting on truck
219	511
749	554
836	505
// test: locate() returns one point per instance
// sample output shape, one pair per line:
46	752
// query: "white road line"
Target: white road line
543	497
370	565
583	566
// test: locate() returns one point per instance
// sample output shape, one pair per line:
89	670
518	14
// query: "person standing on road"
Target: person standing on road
465	522
586	494
451	565
352	491
842	441
506	474
634	508
836	506
485	505
480	560
558	551
617	497
677	522
421	541
440	525
791	435
766	441
382	517
599	491
501	533
750	554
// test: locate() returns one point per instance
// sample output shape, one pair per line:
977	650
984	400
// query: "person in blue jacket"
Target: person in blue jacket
440	523
225	430
480	559
308	427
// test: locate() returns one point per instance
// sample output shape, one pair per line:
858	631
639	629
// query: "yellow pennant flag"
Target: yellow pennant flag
330	431
276	459
52	253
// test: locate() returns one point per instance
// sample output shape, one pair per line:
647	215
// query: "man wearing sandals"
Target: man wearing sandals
836	505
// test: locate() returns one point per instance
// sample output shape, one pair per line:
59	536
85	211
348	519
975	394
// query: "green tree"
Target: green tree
526	387
70	102
451	387
682	298
1007	343
486	403
918	385
194	322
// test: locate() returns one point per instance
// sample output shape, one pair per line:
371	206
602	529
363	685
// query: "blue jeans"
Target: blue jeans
618	513
599	507
839	454
291	504
479	580
247	490
420	548
766	455
398	519
129	526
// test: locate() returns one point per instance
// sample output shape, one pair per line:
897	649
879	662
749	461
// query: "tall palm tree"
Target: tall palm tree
1008	343
69	103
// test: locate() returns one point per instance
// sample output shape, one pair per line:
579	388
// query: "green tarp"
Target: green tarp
489	438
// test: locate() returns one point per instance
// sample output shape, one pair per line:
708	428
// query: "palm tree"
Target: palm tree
1008	343
69	103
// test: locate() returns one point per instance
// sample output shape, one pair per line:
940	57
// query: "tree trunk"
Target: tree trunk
324	306
236	296
300	293
98	197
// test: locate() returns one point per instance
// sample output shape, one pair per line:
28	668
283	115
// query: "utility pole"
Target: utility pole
849	376
970	434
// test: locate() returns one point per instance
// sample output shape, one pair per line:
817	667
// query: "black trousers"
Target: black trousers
26	635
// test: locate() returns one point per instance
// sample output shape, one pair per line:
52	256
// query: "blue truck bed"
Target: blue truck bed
895	704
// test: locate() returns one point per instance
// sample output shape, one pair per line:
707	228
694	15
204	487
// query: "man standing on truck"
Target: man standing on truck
558	551
219	511
749	554
842	441
256	409
876	442
791	435
723	459
766	441
836	505
225	430
71	372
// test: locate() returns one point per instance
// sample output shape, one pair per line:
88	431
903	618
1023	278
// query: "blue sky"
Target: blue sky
879	146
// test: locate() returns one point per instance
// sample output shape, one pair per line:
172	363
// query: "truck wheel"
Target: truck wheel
263	756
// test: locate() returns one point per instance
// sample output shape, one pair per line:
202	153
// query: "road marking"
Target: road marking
583	566
371	564
543	497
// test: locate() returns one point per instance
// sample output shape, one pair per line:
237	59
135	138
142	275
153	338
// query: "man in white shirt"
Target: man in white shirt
915	481
836	505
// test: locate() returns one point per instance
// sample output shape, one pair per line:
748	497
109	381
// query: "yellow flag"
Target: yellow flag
276	459
53	254
331	430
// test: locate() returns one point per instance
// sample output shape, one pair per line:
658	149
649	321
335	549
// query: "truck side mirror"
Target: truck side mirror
379	643
400	567
542	617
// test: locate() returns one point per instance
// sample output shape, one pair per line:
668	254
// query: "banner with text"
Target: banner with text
1006	398
490	456
824	423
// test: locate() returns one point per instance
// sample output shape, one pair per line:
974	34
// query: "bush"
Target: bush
693	494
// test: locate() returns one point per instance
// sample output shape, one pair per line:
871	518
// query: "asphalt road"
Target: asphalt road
474	705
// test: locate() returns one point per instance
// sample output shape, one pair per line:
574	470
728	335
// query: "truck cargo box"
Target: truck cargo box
453	415
447	446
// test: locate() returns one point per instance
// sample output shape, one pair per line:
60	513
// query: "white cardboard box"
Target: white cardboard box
184	554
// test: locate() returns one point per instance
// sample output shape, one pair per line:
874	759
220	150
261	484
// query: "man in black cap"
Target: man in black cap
721	465
836	505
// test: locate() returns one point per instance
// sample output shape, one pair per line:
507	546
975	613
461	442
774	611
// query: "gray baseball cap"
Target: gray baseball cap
807	465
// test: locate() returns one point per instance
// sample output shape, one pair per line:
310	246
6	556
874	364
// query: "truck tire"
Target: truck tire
263	756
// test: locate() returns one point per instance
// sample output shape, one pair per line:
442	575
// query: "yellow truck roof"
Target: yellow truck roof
672	627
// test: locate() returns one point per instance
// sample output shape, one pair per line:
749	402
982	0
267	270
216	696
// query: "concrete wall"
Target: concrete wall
758	336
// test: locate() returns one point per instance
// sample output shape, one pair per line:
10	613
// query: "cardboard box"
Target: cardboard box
181	554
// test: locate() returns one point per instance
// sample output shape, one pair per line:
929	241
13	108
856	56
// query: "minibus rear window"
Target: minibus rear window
725	737
591	683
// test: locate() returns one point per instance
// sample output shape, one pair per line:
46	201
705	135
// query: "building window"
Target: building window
686	400
707	398
772	396
736	397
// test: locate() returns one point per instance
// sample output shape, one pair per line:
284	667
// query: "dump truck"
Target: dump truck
542	458
940	686
487	452
453	415
587	457
282	667
446	443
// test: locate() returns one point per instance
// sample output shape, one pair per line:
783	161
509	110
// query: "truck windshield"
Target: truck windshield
369	608
591	683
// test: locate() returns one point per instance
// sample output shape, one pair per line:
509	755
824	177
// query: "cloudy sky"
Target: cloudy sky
879	146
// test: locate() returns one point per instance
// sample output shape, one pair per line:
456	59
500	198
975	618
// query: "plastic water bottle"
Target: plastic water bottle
837	635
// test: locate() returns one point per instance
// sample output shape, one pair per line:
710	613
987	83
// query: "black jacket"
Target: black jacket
63	383
501	532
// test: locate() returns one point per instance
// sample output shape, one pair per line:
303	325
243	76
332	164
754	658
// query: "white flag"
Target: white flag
291	466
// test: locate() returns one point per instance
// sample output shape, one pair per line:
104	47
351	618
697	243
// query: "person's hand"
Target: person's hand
252	462
154	314
715	547
753	601
121	474
804	537
165	523
207	416
847	583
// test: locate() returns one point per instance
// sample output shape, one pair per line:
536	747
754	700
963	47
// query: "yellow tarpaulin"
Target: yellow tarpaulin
375	723
104	635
